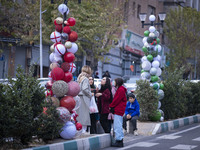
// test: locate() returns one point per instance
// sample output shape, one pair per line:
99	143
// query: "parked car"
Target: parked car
43	81
130	84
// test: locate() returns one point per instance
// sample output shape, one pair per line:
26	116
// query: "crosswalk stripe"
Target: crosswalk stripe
197	139
184	147
140	144
169	137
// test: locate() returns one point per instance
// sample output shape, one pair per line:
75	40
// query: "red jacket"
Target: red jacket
119	101
103	102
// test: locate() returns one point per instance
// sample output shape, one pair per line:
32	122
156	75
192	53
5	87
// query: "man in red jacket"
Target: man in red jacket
117	107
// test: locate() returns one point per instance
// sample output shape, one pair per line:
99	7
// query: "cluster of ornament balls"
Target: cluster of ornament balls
150	65
61	90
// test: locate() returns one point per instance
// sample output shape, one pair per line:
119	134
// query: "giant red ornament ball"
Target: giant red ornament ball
78	126
68	102
73	36
69	57
71	21
57	74
65	66
58	28
68	77
67	29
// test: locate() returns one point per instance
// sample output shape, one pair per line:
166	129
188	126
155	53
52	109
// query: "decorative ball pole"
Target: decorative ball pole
151	61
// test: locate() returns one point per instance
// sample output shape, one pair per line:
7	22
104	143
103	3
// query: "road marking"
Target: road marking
184	147
140	144
185	130
169	137
197	139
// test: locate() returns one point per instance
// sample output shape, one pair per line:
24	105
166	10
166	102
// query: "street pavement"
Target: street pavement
152	135
183	138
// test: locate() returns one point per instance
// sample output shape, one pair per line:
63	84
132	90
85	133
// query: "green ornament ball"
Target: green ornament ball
142	71
149	39
155	86
150	57
158	40
156	116
154	78
144	49
146	33
161	86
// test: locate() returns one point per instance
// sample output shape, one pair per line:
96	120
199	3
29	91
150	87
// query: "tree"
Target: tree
97	24
183	35
19	20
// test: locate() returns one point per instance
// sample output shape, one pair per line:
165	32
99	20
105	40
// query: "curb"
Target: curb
174	124
92	143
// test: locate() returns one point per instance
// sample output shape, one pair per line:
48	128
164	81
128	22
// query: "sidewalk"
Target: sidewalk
98	141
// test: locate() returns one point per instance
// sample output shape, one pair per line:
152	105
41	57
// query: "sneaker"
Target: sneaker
135	133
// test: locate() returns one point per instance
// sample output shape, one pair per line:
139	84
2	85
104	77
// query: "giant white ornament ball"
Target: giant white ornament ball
55	37
158	48
160	94
62	8
72	67
156	33
155	64
145	76
146	44
55	58
159	104
152	29
68	131
152	18
159	72
146	65
144	58
151	35
73	48
59	49
158	58
68	44
153	71
161	119
144	40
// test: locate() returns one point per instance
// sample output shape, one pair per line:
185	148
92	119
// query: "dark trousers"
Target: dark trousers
105	123
133	120
93	127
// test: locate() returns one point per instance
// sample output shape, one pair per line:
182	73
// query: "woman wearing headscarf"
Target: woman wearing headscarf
104	96
85	96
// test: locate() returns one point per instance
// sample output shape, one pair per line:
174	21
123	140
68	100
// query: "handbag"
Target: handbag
93	106
110	116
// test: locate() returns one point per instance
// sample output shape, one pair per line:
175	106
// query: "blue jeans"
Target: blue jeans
118	120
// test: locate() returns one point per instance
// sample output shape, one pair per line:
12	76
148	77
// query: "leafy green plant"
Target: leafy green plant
147	98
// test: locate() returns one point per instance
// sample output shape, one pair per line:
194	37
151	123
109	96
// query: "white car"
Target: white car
97	82
43	81
131	84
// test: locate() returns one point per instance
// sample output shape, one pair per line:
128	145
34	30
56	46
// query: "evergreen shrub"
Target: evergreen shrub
147	98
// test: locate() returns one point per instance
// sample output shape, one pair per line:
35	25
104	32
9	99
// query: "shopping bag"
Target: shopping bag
93	106
110	116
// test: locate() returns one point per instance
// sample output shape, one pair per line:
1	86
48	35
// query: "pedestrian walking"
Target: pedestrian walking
117	107
93	116
132	113
104	96
85	96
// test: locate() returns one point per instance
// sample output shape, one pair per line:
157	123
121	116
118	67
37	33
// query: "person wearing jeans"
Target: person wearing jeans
117	107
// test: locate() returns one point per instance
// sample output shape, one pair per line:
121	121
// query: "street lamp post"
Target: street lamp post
152	19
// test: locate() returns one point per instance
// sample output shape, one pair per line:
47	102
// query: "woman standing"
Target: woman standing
104	96
85	95
93	116
117	107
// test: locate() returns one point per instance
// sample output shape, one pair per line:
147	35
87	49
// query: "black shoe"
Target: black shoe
118	144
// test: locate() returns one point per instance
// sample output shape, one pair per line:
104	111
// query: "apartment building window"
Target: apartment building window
126	11
138	11
133	9
151	10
